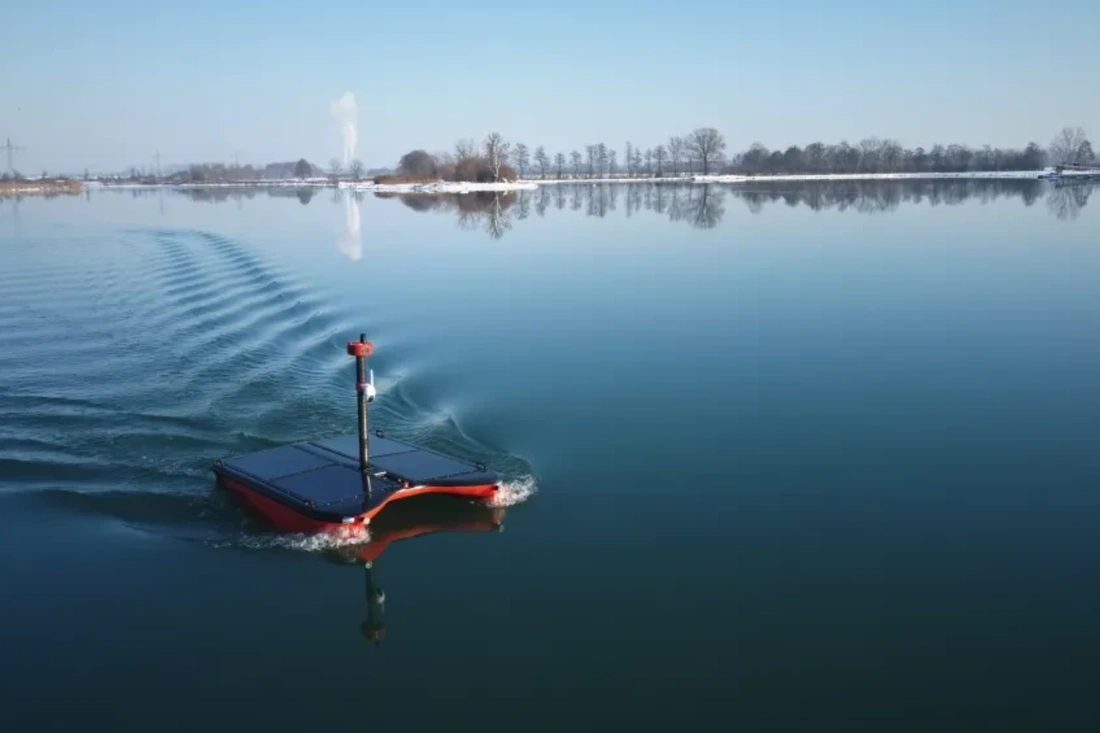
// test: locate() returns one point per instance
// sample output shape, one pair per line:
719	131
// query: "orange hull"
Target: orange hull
285	519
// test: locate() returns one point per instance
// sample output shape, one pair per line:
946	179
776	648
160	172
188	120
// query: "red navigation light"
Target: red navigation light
360	348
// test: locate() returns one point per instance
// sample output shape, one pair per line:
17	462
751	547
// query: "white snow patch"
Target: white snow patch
441	187
615	179
865	176
739	178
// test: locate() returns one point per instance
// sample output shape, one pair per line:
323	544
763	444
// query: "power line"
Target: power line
11	149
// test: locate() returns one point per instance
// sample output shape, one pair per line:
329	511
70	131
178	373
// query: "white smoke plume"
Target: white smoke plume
346	113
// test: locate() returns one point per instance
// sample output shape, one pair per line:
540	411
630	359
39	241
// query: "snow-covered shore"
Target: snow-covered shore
439	187
434	187
970	175
801	177
459	187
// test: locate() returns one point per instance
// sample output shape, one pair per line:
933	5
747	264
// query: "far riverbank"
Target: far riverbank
452	187
40	187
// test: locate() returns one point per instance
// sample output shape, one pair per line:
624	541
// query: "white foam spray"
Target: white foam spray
514	492
346	113
351	536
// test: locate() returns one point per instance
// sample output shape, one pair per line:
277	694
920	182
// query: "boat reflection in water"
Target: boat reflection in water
405	520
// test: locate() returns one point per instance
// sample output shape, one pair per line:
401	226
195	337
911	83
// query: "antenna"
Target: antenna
362	349
11	149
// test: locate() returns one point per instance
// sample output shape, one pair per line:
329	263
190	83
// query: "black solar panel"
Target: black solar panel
348	446
334	484
418	466
275	462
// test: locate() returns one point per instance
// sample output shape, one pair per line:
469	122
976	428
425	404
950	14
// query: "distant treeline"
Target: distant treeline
485	163
220	172
884	156
703	151
302	168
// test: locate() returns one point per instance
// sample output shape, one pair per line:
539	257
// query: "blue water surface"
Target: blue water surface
778	457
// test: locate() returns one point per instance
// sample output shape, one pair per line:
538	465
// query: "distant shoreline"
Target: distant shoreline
527	184
815	177
40	187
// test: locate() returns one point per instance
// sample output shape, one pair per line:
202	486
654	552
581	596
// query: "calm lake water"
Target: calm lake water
817	457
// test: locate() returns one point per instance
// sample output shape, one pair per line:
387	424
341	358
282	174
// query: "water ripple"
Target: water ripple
129	364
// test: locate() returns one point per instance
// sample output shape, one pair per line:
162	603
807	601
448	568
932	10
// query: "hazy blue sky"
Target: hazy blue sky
105	84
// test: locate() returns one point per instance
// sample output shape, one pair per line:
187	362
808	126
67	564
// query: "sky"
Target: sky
107	85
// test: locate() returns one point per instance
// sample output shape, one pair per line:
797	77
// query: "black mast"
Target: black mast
362	349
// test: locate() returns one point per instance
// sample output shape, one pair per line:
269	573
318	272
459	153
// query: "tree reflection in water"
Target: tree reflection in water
701	206
1066	200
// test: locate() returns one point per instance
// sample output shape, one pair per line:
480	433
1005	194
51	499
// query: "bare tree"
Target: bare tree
814	157
445	164
496	153
612	166
676	152
659	156
601	158
522	158
357	169
628	158
590	150
542	161
336	167
871	154
559	164
708	147
465	148
649	161
636	163
1069	146
1085	154
575	159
